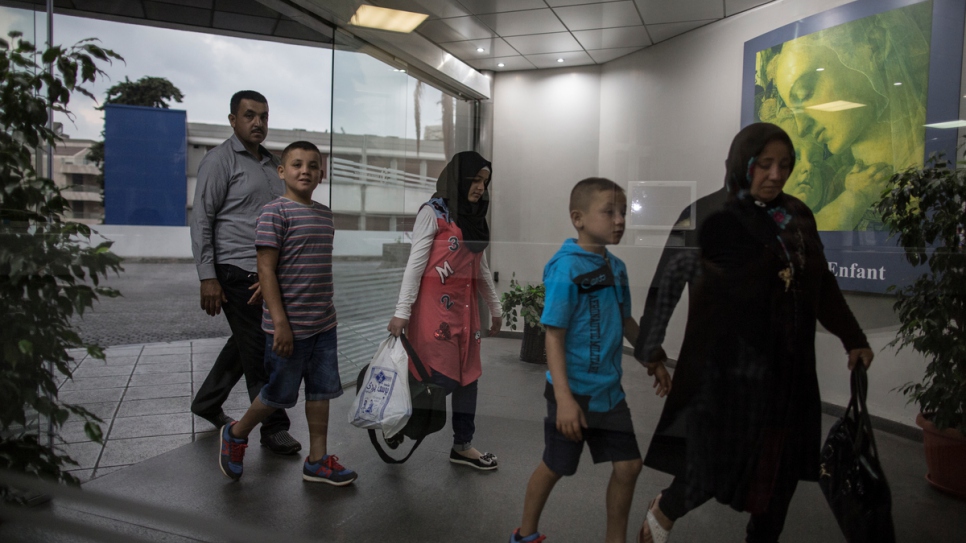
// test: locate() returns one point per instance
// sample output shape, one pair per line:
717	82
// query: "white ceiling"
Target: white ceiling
531	34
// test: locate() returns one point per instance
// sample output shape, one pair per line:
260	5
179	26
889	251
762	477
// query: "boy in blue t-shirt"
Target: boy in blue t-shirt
293	236
587	309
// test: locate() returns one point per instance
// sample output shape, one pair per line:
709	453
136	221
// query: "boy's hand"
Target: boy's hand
662	379
256	298
283	342
570	419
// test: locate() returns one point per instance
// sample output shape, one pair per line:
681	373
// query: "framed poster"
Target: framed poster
856	88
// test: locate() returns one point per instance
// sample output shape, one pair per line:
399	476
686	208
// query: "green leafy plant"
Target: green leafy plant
925	211
529	298
49	269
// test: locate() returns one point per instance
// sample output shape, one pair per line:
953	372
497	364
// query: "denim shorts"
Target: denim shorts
609	435
314	359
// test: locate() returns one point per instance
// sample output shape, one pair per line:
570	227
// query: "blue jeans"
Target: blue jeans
314	359
464	407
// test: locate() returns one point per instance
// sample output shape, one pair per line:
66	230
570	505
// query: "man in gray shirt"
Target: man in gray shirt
235	179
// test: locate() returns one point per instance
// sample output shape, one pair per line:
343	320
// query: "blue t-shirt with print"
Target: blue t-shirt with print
589	296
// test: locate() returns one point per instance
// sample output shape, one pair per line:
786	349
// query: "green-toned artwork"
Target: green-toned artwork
853	99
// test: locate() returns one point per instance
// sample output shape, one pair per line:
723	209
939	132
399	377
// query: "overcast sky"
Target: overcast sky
371	98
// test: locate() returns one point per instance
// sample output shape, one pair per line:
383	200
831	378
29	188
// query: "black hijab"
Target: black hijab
779	224
454	182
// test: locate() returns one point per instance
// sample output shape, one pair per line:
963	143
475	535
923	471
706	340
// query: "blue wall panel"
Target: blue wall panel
145	153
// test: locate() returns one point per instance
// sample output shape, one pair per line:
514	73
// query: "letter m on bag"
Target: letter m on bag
444	272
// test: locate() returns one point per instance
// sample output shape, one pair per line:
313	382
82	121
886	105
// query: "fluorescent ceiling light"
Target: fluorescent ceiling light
392	20
948	124
559	60
480	50
500	65
838	105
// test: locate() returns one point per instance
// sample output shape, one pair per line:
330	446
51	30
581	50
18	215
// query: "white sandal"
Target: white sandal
655	532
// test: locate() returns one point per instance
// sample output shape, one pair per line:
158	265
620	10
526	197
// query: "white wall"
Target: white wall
545	139
174	242
666	113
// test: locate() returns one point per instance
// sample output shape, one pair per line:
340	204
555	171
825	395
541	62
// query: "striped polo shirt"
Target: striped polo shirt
303	235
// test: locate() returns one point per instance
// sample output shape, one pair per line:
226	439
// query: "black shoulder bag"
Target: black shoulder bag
429	408
851	477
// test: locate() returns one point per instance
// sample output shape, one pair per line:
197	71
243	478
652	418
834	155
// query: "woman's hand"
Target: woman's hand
496	324
864	354
662	379
397	325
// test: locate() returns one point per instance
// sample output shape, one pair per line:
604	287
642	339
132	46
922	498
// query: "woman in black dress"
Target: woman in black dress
742	423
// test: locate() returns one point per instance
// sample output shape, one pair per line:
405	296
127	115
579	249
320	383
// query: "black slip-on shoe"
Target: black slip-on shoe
485	462
281	443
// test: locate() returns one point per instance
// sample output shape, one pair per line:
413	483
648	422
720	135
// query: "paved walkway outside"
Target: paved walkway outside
143	393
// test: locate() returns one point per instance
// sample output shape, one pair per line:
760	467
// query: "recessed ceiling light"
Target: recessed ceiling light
480	50
393	20
559	60
948	124
500	65
838	105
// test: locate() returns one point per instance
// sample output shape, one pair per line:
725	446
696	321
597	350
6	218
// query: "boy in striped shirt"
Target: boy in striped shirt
294	243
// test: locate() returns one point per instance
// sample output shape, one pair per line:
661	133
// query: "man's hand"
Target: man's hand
496	324
212	296
570	419
397	325
283	342
864	354
662	379
256	298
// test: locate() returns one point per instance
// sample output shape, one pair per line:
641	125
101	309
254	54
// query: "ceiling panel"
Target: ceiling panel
544	43
243	23
601	56
518	23
555	3
498	6
436	9
666	11
469	50
607	15
610	38
456	29
575	58
737	6
667	31
509	63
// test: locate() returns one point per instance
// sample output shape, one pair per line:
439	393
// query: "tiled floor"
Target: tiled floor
143	394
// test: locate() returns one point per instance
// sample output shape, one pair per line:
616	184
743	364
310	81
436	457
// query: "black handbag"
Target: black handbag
851	476
429	408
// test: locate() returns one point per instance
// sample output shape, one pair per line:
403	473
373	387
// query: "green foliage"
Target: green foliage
49	270
528	298
147	91
925	211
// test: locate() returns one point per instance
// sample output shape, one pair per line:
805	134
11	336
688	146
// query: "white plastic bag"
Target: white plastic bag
383	399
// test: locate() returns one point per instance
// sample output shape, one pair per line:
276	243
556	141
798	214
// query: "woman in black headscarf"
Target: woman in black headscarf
438	300
742	423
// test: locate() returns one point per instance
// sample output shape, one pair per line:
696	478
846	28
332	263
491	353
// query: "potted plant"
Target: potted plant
529	298
925	211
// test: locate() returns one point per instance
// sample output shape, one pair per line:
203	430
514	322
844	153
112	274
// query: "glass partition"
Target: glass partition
392	135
